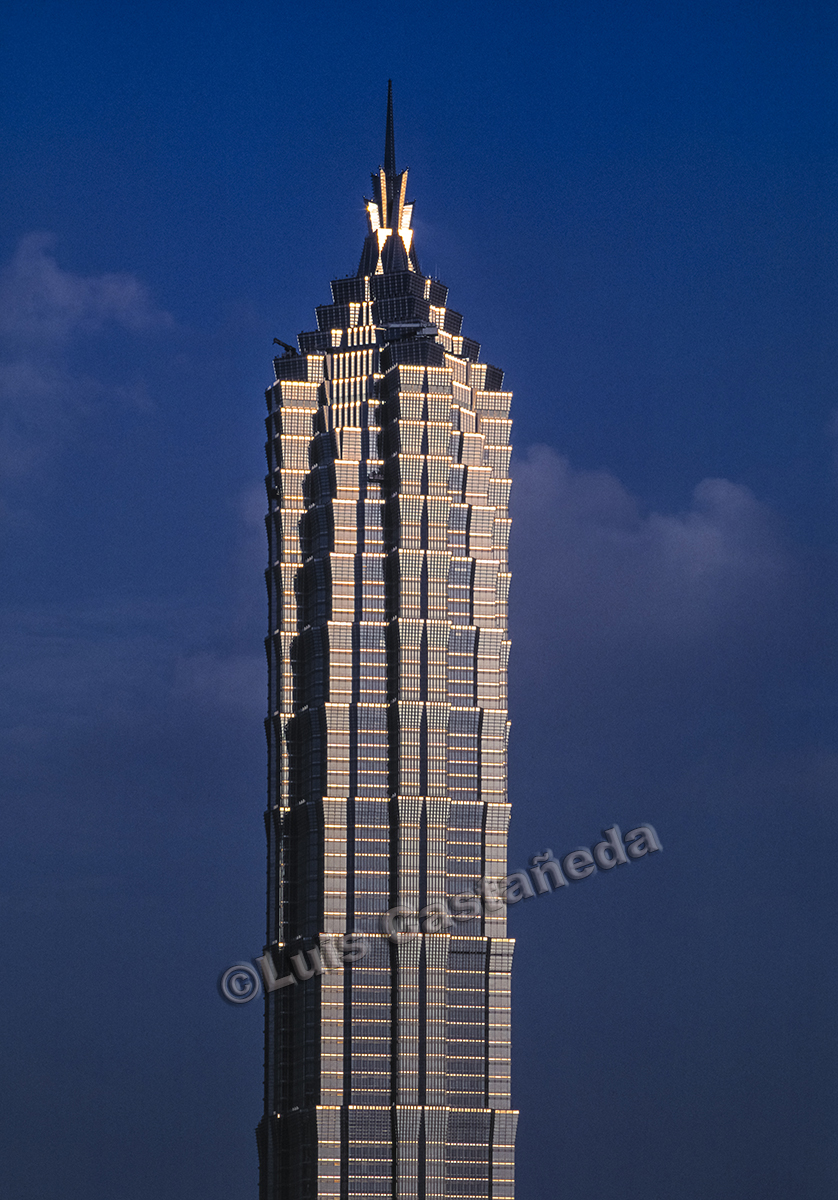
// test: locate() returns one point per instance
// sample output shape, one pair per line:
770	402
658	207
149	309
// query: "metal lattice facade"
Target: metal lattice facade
388	452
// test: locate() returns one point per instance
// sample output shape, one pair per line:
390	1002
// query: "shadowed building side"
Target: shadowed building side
388	456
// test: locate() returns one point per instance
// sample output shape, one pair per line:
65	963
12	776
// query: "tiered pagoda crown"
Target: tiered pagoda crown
389	244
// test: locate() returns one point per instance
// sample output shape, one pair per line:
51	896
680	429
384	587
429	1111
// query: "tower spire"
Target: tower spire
389	245
389	137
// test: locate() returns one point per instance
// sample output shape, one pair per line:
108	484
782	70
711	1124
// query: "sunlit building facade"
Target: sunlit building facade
387	1055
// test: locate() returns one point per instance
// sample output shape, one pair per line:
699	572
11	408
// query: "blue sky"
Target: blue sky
634	207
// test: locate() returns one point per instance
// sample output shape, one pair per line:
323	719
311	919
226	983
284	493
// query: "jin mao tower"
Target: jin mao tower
387	1050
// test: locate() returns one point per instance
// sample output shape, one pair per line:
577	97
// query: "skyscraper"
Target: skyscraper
387	1072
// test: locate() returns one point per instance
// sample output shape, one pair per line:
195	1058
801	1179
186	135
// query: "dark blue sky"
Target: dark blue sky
634	207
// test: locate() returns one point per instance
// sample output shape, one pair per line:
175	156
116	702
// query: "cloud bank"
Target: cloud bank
612	577
647	645
46	313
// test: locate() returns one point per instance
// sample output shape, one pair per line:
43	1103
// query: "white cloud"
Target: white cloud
120	664
45	312
609	575
44	305
648	648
